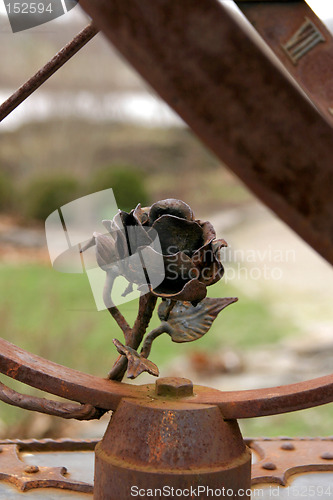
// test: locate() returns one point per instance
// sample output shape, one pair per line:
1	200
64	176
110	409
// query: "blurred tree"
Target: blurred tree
127	184
6	192
45	194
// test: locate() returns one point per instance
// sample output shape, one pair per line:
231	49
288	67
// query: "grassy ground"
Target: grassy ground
54	314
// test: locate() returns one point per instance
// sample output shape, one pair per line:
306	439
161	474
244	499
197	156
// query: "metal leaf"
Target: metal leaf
136	364
187	322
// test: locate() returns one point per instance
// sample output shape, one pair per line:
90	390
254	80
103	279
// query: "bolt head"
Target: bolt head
31	469
174	387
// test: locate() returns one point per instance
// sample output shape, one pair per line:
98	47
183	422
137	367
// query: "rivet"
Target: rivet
327	456
269	466
31	469
287	446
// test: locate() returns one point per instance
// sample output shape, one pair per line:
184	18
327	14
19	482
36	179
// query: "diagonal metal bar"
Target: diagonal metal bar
48	70
208	67
302	43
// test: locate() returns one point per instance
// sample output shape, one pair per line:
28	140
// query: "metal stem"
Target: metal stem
146	308
113	310
48	70
150	337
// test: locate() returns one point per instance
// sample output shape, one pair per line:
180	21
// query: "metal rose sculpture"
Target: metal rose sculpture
166	253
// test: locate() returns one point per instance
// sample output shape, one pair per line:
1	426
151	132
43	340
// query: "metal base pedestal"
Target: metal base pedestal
166	448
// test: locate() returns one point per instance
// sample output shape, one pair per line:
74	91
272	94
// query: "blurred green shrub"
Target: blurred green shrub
127	184
6	192
45	194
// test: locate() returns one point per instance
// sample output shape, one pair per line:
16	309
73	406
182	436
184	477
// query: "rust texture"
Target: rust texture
279	459
174	387
26	477
51	445
50	407
47	71
211	71
303	44
150	444
62	381
107	394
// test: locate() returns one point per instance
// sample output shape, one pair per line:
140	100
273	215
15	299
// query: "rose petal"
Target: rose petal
176	271
178	266
192	291
141	214
136	235
178	235
206	261
208	230
170	206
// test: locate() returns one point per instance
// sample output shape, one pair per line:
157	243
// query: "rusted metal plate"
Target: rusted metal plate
303	44
31	465
282	467
207	67
280	459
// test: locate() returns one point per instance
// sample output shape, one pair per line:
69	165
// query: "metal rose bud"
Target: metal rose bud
188	250
106	251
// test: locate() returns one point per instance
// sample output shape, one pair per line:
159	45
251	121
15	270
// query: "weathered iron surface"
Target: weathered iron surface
277	459
208	68
174	387
48	406
26	477
62	381
51	445
280	459
303	44
151	444
270	401
107	394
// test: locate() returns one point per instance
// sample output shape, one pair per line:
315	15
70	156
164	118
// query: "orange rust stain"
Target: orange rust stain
161	436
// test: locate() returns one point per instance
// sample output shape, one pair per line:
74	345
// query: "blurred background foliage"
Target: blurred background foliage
47	162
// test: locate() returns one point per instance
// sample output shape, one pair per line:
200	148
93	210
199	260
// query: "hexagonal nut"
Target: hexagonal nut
175	387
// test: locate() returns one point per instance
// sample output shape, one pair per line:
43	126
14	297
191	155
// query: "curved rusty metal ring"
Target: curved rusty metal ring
107	394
